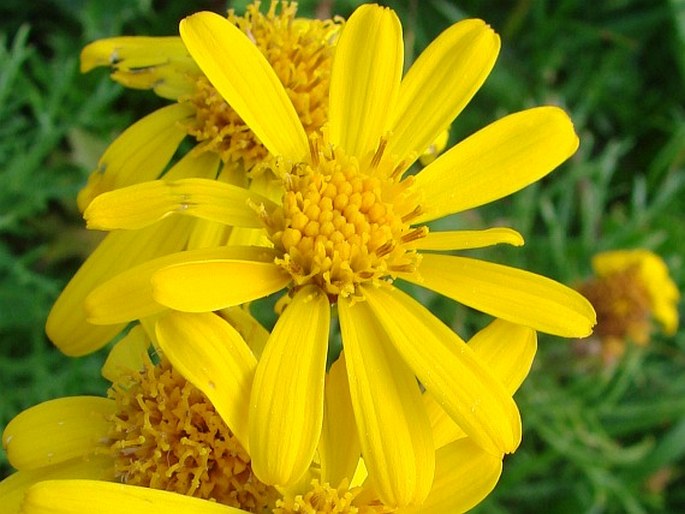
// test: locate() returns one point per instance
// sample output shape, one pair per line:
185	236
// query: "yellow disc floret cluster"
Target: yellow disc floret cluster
324	499
299	50
340	226
167	435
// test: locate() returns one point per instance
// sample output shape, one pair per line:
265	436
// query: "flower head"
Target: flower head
350	220
225	149
162	441
154	429
631	288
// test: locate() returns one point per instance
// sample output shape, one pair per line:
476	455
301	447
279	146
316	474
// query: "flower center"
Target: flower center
300	52
324	499
340	226
167	435
622	304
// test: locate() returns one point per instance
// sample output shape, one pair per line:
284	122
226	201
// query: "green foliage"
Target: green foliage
596	439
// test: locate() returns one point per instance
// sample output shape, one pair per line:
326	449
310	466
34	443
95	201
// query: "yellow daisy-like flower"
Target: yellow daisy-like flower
163	441
631	287
351	220
155	429
300	52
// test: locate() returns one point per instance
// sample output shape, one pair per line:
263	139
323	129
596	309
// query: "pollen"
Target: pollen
341	226
167	435
300	52
324	499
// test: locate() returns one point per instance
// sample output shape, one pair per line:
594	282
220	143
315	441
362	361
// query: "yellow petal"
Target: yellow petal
76	427
250	329
209	234
129	295
79	496
127	356
508	350
496	161
245	79
449	370
159	63
467	239
215	284
393	427
143	204
139	154
464	476
13	488
365	79
339	449
445	429
67	325
287	400
508	293
194	165
212	356
440	83
435	148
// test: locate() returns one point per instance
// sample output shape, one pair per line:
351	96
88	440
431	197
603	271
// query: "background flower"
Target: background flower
630	289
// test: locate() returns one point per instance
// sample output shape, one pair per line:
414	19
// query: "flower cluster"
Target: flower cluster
302	181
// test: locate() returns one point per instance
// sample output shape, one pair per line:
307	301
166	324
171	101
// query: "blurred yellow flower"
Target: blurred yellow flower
164	441
631	288
351	220
225	150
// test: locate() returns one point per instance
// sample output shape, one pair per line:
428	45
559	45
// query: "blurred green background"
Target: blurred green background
597	439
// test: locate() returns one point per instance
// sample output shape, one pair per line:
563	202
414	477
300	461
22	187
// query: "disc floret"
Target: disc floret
342	224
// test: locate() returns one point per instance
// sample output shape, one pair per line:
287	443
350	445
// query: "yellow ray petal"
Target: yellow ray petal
158	63
508	293
214	284
445	429
128	356
440	83
13	488
246	80
467	239
143	204
67	325
139	154
464	476
287	399
393	427
76	427
250	329
79	496
212	356
194	165
209	234
129	295
496	161
508	350
339	449
449	370
365	79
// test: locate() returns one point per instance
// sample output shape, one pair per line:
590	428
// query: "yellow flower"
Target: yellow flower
299	50
155	429
631	287
162	440
349	222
